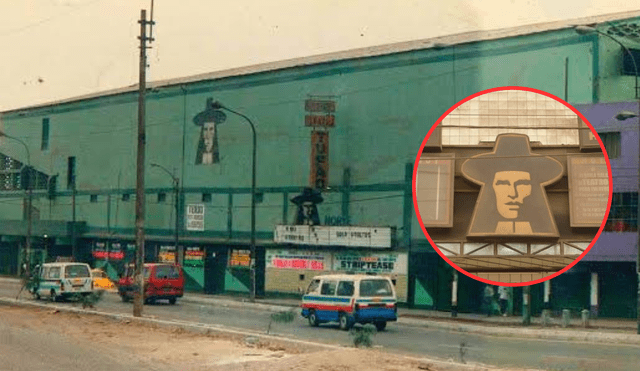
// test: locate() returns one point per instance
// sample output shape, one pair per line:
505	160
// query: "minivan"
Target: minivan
62	281
162	281
350	299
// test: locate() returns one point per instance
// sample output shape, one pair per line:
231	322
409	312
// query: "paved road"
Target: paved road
413	340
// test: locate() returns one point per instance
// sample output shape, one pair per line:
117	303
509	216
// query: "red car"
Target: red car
161	281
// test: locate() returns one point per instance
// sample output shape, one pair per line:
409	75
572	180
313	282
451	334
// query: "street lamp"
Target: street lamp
623	115
29	201
217	106
176	189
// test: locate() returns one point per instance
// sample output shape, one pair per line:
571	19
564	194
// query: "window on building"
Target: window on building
126	197
45	134
93	198
206	197
623	216
162	197
611	141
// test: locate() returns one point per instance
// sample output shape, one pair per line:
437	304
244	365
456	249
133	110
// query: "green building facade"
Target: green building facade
386	100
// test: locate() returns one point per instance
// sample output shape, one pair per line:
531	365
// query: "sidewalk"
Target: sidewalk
600	329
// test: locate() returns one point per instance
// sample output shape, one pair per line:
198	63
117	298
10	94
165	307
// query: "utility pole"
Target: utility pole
138	300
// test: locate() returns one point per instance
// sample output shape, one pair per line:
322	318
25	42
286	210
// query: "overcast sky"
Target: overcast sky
56	49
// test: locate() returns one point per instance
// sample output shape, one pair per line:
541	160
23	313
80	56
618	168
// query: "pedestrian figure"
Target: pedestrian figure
488	299
503	294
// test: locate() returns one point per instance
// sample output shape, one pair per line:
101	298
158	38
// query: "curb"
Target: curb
519	332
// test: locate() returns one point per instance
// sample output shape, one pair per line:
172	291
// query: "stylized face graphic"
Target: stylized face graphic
208	132
511	188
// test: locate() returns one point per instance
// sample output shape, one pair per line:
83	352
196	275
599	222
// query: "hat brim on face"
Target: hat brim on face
210	115
512	152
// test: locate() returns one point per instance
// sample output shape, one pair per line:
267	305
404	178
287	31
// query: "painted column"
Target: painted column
526	305
547	294
454	294
594	294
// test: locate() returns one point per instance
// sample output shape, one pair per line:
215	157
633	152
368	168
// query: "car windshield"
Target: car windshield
74	271
375	288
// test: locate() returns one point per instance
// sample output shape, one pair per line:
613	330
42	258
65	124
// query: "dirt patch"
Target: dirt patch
183	350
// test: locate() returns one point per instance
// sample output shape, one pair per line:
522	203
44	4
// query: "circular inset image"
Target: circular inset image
512	186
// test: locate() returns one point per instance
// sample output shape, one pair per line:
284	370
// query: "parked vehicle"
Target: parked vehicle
162	281
62	280
350	299
101	280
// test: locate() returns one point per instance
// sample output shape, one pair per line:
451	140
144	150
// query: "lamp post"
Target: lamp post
176	189
29	200
583	30
218	106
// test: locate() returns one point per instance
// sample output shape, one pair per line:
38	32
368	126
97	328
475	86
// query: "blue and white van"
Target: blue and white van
63	280
349	299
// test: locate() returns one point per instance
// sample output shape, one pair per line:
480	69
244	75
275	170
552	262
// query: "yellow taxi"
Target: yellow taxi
101	281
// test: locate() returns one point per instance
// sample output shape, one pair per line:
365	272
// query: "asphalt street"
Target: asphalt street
399	338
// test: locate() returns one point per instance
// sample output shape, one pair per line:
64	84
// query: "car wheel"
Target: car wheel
172	301
381	325
151	300
313	318
344	322
52	296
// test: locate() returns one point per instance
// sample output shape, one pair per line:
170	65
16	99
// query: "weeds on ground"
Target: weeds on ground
89	300
281	317
362	335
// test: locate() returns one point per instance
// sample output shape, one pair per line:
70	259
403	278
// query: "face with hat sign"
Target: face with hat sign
512	199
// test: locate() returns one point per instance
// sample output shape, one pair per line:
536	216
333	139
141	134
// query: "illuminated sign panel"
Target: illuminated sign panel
319	177
434	190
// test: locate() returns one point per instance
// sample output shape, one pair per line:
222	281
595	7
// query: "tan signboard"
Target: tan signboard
318	120
315	105
588	190
512	200
588	140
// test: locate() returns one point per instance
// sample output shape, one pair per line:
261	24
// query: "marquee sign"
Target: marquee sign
376	237
370	263
512	200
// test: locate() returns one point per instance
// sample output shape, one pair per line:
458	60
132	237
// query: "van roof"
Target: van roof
64	263
349	277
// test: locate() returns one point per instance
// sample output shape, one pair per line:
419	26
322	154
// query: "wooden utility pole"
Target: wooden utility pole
138	300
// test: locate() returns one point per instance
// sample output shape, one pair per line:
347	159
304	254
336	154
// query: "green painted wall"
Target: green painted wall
385	107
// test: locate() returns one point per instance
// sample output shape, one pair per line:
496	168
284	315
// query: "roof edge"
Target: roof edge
366	52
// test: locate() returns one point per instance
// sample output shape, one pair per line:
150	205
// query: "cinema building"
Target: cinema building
337	136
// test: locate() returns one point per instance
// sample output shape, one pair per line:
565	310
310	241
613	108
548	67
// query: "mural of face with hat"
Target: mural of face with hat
208	120
512	199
